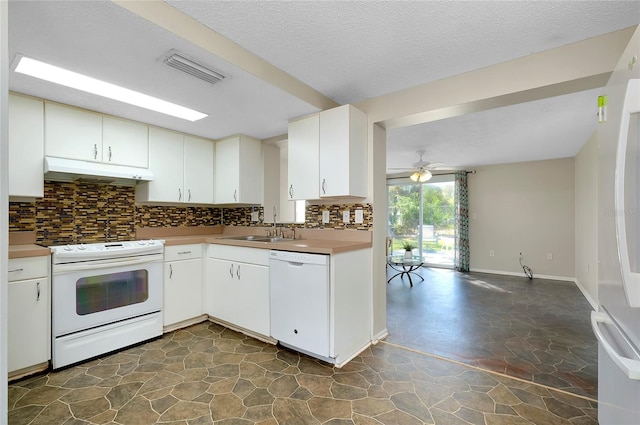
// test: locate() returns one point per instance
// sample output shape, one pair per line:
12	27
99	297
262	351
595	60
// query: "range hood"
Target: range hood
67	170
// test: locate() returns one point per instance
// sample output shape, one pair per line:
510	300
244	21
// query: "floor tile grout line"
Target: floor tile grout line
435	356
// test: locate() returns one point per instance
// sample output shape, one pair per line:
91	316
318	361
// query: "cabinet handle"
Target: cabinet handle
170	271
238	271
95	151
179	194
235	195
184	252
38	291
189	191
109	153
324	186
16	270
291	191
231	271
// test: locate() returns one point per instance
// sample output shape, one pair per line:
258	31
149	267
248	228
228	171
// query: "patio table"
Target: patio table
405	266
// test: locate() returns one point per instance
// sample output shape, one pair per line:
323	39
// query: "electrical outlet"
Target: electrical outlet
359	216
345	216
549	256
325	216
255	215
492	253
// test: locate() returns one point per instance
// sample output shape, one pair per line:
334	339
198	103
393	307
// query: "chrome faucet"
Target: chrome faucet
275	223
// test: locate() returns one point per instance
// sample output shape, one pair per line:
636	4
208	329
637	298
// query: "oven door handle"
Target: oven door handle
101	264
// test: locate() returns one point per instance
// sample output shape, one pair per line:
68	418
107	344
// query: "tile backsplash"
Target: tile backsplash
82	212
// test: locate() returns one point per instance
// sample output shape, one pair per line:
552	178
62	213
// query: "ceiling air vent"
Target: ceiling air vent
179	61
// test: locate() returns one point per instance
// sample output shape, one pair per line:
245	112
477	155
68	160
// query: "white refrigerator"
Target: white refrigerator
617	321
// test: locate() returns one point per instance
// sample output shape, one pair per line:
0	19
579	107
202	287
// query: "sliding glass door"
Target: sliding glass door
422	214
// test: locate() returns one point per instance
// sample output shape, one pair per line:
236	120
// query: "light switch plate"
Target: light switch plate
359	216
255	216
325	216
345	216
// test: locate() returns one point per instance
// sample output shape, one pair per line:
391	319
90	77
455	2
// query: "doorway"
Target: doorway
421	215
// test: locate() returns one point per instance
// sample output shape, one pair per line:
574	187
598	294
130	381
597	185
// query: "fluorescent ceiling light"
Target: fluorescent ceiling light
77	81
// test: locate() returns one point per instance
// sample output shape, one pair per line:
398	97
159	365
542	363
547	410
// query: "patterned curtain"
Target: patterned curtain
461	259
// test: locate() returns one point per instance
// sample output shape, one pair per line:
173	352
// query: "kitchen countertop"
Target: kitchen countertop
311	240
23	244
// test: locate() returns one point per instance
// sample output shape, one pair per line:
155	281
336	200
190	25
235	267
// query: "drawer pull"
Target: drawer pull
16	270
184	252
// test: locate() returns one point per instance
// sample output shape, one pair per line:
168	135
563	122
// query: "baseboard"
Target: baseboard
587	295
255	335
521	274
184	323
379	336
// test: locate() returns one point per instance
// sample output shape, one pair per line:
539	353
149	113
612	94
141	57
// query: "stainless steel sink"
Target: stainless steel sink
250	238
256	238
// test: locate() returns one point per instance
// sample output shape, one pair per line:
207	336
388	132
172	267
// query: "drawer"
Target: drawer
28	268
239	254
182	252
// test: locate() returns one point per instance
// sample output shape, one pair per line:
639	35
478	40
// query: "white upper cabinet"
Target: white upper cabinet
182	167
328	154
125	142
276	187
343	152
238	171
304	161
72	133
166	163
198	170
89	136
26	147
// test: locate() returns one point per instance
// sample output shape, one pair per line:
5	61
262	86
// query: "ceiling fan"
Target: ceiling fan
422	169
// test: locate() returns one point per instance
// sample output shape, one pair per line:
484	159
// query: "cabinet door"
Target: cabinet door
343	152
26	146
227	171
166	163
29	323
252	289
304	162
125	142
250	172
222	279
198	170
182	290
72	133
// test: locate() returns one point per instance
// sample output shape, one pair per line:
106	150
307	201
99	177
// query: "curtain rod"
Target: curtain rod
434	175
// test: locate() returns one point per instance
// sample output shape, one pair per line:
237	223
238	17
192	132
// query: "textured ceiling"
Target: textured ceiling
356	50
347	50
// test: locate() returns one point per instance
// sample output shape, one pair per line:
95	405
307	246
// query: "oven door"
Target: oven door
90	294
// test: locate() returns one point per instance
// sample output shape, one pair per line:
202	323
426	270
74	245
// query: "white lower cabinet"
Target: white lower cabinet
29	318
182	283
236	289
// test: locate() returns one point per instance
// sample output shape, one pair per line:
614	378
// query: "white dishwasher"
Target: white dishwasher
300	301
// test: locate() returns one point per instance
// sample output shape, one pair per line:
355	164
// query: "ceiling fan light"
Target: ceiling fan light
415	176
424	176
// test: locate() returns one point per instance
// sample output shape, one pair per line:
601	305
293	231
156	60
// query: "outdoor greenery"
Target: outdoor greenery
408	245
404	213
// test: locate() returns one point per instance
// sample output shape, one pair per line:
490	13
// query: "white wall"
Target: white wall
523	207
4	204
586	182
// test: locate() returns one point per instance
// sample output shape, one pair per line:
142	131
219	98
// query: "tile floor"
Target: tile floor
206	374
538	330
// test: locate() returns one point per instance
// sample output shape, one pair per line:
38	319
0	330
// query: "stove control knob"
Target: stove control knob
142	243
82	247
68	248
